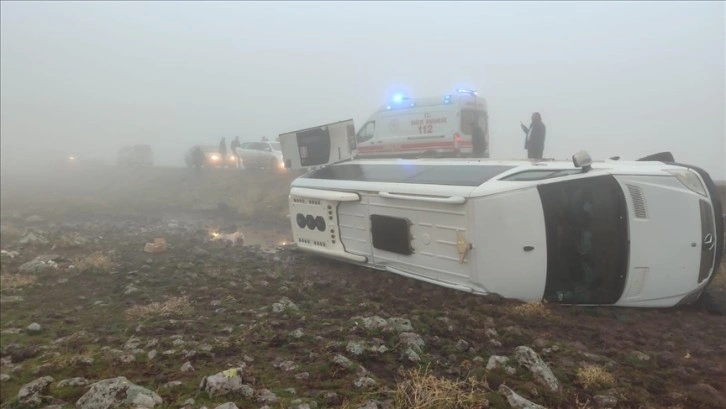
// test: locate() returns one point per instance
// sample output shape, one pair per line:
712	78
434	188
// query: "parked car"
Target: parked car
136	155
645	233
212	157
261	155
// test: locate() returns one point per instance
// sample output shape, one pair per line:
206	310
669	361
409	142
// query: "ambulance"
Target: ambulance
425	127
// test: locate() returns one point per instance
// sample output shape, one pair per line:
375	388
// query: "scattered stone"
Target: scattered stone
411	355
609	400
227	405
72	382
187	367
342	361
34	327
462	346
498	361
118	392
284	305
364	382
640	356
374	322
542	373
223	383
605	361
266	396
82	360
302	376
288	366
76	337
32	238
331	398
126	359
10	299
297	334
39	265
516	401
130	289
31	393
132	343
412	340
355	348
172	384
152	354
400	324
4	377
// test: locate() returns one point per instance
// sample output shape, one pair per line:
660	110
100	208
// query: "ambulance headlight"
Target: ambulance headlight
689	180
215	157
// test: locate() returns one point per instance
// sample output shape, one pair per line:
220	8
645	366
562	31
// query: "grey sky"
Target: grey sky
614	78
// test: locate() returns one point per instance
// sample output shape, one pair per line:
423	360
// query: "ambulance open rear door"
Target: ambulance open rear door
319	146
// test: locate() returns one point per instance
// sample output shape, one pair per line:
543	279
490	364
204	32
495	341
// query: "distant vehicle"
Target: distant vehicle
136	155
213	159
425	127
261	155
645	233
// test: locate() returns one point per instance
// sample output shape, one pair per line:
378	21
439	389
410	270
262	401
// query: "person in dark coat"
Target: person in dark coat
223	148
478	141
198	158
534	141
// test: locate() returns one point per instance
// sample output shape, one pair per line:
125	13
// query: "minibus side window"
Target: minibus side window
367	132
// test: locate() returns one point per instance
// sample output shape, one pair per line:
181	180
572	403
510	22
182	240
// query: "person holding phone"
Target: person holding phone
535	137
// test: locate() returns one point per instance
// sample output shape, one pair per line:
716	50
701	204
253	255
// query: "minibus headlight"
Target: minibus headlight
689	180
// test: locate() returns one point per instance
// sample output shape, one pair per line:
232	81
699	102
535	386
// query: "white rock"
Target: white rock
187	367
34	327
412	340
516	401
542	373
73	382
223	383
227	405
117	392
364	382
342	361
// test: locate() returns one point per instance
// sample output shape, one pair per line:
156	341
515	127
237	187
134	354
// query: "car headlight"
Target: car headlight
231	157
689	180
215	157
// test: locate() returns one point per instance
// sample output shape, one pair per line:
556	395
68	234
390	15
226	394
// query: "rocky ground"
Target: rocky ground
217	320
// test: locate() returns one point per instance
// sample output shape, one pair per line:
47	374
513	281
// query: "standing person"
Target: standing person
534	141
478	141
198	158
223	151
233	147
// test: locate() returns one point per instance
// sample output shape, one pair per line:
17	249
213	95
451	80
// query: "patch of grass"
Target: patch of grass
421	390
531	309
14	281
96	262
172	306
594	376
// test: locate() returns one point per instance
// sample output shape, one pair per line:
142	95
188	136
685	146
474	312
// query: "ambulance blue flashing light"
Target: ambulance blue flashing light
447	99
398	98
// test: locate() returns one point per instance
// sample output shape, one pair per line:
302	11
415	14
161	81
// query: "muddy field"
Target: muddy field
253	322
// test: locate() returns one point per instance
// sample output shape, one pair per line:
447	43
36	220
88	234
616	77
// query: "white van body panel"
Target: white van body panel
661	271
492	237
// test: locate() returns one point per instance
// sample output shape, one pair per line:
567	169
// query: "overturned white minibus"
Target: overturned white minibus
626	233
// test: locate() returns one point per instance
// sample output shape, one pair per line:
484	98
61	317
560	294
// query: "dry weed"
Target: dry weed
421	390
97	262
172	306
532	309
13	281
594	376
